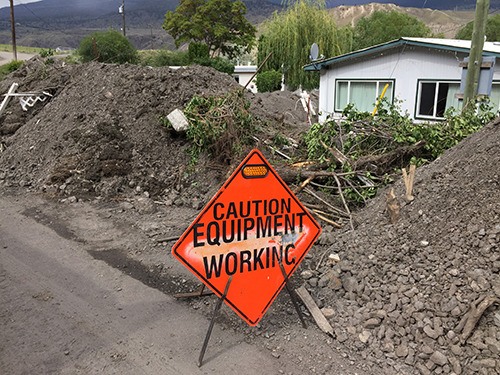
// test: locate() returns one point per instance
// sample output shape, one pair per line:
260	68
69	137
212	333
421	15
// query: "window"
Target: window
495	96
361	93
434	98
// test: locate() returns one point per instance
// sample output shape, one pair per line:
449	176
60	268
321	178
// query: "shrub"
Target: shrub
268	81
164	58
108	47
9	68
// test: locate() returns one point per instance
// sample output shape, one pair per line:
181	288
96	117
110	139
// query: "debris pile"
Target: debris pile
420	294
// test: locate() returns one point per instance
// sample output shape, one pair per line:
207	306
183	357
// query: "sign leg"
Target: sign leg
212	322
292	296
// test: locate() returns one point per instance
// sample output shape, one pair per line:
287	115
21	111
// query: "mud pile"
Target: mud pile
409	294
101	133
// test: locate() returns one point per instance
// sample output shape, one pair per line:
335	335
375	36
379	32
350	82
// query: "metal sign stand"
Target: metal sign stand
223	297
212	322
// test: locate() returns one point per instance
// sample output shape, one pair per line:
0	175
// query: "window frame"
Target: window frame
364	80
418	116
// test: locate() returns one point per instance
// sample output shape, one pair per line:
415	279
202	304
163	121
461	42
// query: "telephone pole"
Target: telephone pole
13	27
476	51
122	11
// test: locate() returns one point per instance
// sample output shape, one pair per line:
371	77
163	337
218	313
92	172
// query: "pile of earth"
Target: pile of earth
401	295
405	294
101	134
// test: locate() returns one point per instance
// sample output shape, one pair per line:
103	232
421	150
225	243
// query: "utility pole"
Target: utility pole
476	51
122	11
13	27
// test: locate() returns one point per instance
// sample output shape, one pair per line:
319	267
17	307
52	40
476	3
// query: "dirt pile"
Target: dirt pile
101	133
408	294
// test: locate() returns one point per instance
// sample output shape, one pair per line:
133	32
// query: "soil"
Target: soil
105	171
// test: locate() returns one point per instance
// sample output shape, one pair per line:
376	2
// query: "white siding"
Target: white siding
405	65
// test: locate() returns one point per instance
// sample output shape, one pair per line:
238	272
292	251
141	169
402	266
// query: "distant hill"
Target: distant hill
445	22
63	23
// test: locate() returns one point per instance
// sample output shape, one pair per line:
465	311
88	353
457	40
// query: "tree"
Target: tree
107	46
220	24
288	36
382	27
492	29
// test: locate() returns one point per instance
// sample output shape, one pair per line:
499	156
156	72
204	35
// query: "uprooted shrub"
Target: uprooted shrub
364	150
219	126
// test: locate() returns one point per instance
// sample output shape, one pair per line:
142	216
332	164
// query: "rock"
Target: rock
350	284
438	358
489	363
455	365
328	312
401	350
144	205
364	336
430	332
307	274
372	323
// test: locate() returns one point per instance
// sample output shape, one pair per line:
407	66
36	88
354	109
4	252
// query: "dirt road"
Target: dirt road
64	312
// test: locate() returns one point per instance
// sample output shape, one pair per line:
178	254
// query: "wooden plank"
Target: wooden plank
6	100
316	313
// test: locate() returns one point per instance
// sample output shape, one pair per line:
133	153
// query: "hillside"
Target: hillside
447	22
56	23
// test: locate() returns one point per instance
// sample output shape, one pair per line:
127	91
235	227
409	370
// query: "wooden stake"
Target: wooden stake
409	179
316	313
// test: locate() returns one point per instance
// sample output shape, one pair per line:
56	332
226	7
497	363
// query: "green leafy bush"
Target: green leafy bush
164	58
219	126
218	63
108	47
268	81
9	68
376	146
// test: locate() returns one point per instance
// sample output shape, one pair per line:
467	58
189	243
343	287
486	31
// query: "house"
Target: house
425	74
243	74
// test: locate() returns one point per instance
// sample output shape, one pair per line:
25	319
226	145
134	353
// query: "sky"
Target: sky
6	3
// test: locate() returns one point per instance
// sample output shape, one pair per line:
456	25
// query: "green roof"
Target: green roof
453	45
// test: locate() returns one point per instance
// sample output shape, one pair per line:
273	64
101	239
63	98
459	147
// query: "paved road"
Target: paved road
63	312
6	57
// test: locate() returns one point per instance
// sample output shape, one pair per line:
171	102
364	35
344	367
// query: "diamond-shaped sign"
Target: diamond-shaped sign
251	225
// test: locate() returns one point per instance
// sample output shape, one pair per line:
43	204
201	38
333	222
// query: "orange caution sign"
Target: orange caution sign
251	229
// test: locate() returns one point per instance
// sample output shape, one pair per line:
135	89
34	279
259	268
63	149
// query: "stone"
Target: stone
430	332
307	274
328	312
401	350
364	336
372	323
438	358
350	284
486	363
455	365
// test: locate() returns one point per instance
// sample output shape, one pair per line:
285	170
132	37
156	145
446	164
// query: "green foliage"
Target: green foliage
164	58
219	63
108	47
289	35
46	52
198	51
220	24
9	68
381	139
381	27
268	81
219	126
492	29
440	137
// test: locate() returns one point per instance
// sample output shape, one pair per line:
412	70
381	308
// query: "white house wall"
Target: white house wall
405	66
